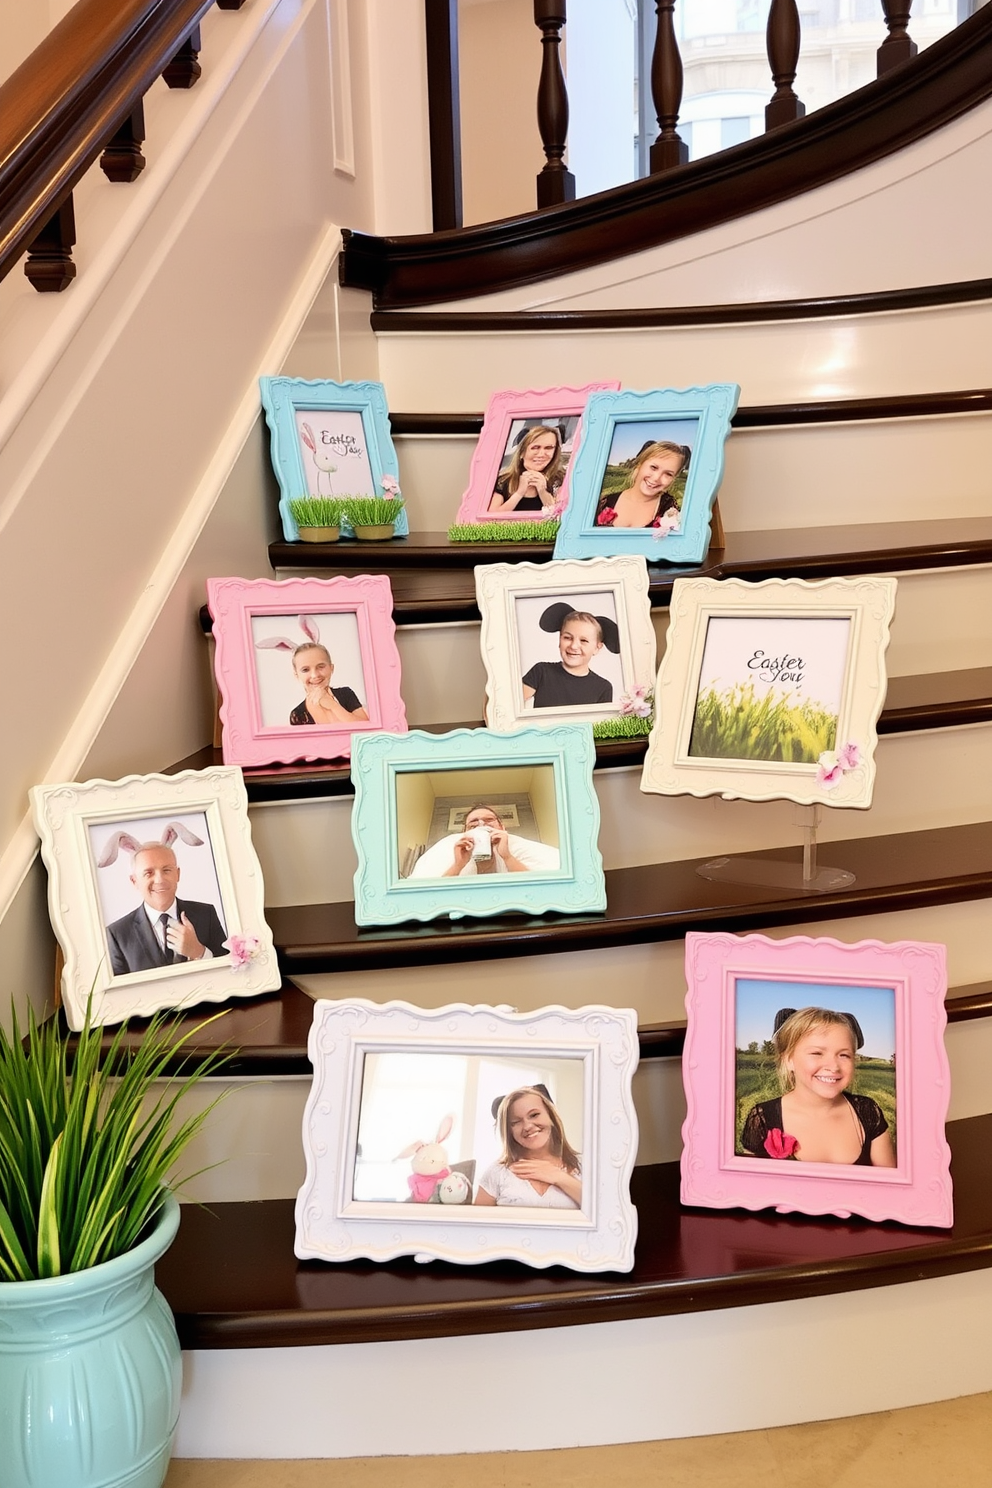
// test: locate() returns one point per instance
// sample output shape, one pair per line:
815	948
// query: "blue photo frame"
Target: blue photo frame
361	405
400	785
622	425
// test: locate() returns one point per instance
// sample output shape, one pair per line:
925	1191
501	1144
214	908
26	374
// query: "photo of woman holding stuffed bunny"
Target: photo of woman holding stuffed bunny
538	1168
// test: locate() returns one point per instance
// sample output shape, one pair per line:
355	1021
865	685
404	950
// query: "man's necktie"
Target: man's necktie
167	955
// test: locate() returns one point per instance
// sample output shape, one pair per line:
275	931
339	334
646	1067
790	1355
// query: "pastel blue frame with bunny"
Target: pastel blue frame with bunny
285	397
396	779
674	466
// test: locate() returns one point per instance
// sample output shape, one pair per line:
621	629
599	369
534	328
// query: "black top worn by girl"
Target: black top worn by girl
554	687
526	503
343	695
766	1116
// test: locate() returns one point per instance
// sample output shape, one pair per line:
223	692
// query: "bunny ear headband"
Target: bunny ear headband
784	1014
554	618
542	1089
173	832
309	627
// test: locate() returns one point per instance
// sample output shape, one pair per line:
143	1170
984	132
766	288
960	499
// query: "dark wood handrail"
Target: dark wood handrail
68	98
947	80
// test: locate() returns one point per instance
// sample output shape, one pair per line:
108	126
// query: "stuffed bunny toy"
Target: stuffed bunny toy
429	1164
455	1189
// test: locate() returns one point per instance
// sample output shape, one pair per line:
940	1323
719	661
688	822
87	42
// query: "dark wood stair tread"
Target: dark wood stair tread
432	578
233	1281
656	902
937	700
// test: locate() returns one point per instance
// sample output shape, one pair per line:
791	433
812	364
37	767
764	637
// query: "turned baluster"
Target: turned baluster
898	46
49	263
669	149
782	38
184	69
555	183
122	159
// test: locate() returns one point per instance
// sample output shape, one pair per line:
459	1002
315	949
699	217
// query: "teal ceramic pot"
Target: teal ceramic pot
90	1374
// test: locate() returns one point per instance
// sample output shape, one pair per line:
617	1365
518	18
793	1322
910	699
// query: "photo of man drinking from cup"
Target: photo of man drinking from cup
484	846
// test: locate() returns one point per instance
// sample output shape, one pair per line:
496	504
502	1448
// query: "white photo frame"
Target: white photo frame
110	952
449	1062
821	701
514	599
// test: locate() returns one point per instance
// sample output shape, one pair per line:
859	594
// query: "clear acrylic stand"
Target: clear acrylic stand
776	873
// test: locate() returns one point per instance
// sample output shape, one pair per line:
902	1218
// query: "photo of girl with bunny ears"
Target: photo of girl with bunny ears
306	642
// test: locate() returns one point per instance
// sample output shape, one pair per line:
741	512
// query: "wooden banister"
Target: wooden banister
783	35
942	83
555	182
70	97
669	149
898	46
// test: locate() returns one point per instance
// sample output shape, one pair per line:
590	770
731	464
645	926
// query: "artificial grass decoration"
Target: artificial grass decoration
626	726
505	532
371	511
317	511
85	1151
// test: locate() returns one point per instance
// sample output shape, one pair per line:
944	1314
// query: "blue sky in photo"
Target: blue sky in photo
629	435
758	1000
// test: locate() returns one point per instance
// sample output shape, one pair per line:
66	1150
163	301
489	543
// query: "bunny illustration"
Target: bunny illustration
429	1163
326	455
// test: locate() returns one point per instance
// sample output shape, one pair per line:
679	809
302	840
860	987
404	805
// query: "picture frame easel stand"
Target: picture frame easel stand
778	873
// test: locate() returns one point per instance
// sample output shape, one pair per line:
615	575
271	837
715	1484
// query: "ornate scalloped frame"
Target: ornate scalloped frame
283	396
332	1226
382	898
503	407
918	1190
714	405
669	770
63	814
233	603
498	585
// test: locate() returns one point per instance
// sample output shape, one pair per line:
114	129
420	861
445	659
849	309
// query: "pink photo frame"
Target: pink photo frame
259	625
504	409
879	994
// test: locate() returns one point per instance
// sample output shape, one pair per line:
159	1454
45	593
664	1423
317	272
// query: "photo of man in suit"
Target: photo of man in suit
164	930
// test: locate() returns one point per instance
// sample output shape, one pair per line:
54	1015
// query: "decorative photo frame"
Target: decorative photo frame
115	851
509	428
412	866
810	1043
330	439
655	455
314	652
568	642
771	691
413	1112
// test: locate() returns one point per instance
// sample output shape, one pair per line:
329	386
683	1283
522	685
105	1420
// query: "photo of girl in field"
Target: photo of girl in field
815	1073
770	689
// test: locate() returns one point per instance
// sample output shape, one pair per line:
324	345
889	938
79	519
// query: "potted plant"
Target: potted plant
89	1357
373	518
318	518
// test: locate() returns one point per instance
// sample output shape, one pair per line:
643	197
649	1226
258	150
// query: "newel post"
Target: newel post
555	183
669	149
898	46
782	38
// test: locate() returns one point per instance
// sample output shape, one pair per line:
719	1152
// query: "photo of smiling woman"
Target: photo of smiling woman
533	477
538	1168
648	499
817	1116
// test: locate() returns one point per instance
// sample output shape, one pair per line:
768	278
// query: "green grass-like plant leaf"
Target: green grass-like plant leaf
626	726
317	511
371	511
735	724
505	532
87	1145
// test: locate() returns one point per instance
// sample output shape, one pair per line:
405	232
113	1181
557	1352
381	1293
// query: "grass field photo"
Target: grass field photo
737	724
631	438
756	1080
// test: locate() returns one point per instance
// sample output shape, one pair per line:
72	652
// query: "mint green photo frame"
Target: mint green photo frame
409	787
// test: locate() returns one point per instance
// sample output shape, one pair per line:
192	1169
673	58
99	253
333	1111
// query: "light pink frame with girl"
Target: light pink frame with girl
917	1191
234	602
501	411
